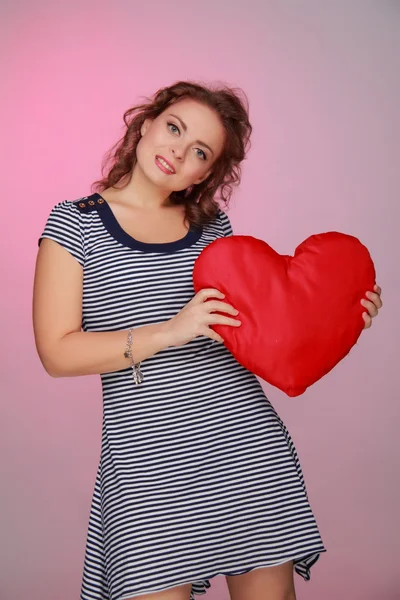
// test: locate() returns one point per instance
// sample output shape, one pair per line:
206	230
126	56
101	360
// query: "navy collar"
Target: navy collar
98	203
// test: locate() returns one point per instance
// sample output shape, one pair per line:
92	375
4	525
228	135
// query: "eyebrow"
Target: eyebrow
185	129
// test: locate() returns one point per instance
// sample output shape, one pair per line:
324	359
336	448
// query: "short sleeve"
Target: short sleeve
225	222
64	226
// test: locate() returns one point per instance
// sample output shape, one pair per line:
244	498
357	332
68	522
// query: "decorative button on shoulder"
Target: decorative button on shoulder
90	203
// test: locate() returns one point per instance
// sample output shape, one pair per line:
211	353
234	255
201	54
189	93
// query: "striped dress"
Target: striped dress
198	475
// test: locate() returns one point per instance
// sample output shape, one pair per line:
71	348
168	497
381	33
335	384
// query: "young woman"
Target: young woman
198	475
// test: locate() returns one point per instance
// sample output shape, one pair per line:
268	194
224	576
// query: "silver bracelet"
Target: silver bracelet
136	372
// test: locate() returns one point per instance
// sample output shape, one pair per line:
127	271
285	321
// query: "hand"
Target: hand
372	305
196	316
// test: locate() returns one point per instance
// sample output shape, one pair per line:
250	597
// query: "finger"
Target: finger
378	289
367	320
205	293
213	305
214	319
375	298
213	335
370	306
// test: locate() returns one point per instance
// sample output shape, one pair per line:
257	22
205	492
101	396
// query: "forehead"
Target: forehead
201	121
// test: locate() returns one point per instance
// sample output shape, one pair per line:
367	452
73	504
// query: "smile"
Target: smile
164	165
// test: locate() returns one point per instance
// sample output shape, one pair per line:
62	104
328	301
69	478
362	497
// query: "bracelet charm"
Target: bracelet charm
136	372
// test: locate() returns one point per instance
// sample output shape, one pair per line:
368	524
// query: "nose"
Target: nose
177	152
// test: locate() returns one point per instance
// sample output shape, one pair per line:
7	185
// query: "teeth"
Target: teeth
164	164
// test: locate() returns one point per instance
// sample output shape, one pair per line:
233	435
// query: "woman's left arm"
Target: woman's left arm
373	304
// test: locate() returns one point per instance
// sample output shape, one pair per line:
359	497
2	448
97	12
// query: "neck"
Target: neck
143	193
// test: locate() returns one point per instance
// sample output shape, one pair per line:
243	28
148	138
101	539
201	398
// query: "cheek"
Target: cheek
145	152
190	174
140	150
195	167
145	144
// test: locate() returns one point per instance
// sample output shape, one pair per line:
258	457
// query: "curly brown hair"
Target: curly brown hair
231	104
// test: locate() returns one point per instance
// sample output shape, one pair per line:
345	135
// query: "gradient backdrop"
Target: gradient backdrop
323	83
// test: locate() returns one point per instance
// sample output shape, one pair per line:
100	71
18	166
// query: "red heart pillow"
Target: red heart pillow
300	314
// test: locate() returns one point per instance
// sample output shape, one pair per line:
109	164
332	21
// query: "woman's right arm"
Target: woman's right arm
66	351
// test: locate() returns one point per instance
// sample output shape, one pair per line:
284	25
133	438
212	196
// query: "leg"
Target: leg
181	592
264	583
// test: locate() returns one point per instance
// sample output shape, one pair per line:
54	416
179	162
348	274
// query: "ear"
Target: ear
145	126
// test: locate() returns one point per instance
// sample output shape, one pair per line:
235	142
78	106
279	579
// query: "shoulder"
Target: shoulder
88	203
72	209
66	210
64	226
66	216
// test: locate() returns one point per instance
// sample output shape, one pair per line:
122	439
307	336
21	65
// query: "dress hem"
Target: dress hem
203	584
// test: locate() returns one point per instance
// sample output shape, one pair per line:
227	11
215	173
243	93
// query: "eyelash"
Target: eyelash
176	127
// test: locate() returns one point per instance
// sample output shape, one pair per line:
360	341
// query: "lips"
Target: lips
168	163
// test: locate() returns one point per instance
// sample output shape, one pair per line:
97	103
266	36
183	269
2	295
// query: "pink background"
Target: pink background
323	83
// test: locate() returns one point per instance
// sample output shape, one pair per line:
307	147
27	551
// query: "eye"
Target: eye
203	153
173	125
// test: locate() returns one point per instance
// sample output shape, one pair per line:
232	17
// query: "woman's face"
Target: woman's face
189	136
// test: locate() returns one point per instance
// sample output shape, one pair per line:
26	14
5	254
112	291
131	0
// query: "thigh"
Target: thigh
268	583
181	592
